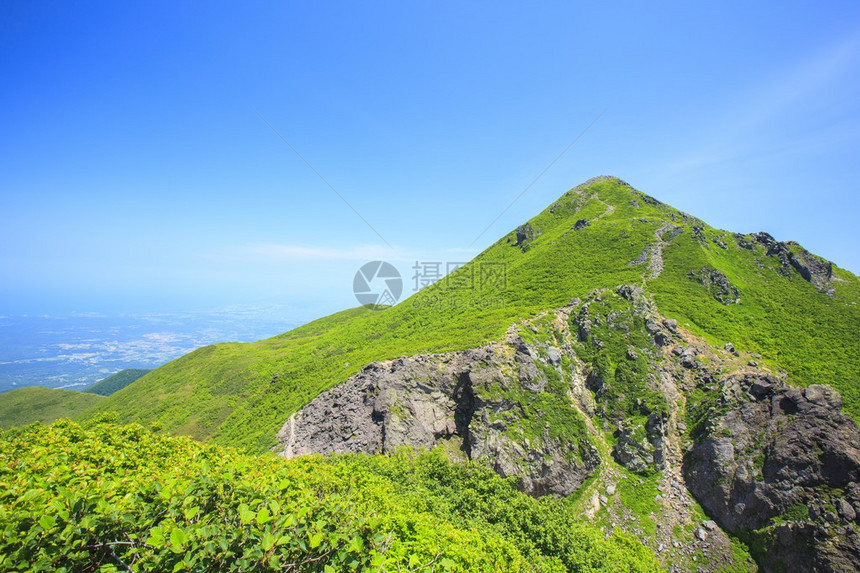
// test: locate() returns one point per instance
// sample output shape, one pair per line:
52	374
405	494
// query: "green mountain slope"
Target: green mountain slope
612	351
37	404
115	382
599	235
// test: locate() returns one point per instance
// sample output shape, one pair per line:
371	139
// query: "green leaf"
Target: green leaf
156	537
315	540
177	537
356	544
263	516
47	522
246	516
268	541
191	512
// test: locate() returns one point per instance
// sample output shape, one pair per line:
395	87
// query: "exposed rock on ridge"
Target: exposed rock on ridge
460	401
811	267
776	465
525	235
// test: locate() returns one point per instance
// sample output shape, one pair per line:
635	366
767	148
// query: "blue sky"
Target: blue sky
135	173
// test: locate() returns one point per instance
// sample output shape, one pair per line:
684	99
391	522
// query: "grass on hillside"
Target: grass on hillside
116	381
240	394
38	404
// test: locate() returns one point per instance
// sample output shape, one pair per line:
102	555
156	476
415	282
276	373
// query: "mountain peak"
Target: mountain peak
611	336
593	184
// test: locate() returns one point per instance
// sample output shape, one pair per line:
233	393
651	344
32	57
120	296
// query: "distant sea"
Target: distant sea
77	349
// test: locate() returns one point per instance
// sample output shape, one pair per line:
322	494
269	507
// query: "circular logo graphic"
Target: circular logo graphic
377	284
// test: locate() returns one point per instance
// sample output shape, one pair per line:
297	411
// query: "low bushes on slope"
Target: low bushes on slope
112	497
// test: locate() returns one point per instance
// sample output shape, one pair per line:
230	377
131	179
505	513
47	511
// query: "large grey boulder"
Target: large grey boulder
457	401
783	462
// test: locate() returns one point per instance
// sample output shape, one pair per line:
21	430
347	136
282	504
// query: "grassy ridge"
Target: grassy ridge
240	394
229	392
812	336
117	381
38	404
85	499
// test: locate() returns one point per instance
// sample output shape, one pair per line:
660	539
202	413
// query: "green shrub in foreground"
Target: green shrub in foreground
119	497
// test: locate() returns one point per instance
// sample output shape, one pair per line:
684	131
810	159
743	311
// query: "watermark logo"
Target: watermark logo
377	284
479	276
478	286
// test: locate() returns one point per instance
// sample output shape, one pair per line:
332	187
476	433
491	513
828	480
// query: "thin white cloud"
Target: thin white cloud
765	109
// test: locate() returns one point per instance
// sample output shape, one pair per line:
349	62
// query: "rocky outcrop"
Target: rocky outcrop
812	268
743	241
718	285
638	453
782	464
777	466
699	234
624	329
476	404
581	224
525	234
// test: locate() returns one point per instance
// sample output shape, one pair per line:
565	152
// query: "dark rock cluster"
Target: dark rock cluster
743	242
525	234
718	285
812	268
784	463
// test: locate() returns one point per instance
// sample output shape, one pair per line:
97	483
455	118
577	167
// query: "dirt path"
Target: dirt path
655	254
288	452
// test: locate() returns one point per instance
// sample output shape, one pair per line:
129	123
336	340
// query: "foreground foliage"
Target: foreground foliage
110	497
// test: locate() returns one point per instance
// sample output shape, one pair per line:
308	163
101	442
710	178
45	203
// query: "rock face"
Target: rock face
461	401
785	463
778	466
637	455
525	234
718	285
812	268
